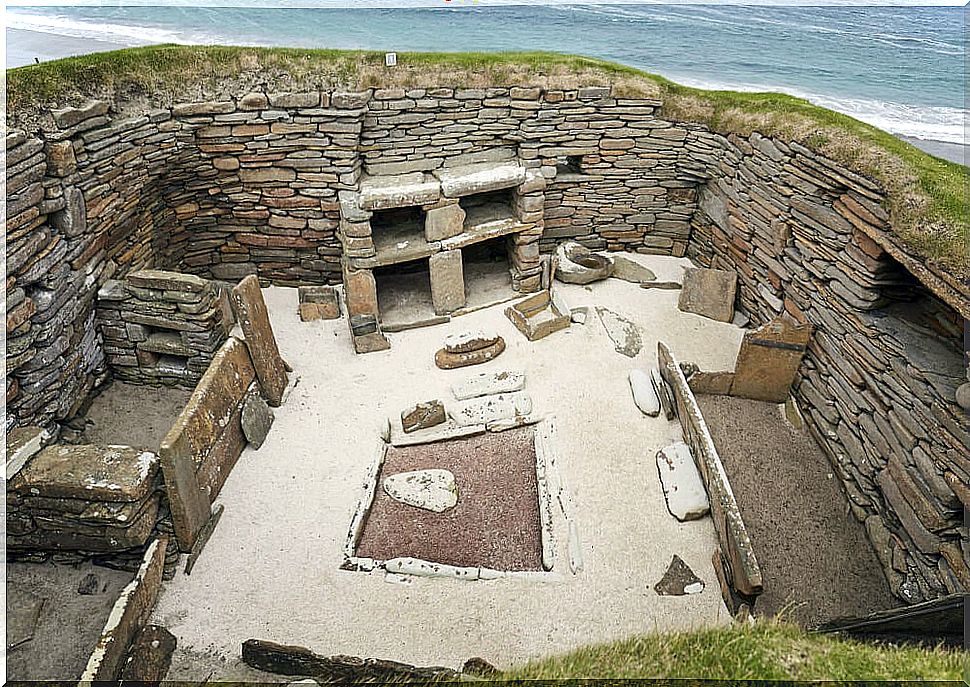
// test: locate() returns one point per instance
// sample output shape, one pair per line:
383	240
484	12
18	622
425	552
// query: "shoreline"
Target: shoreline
25	46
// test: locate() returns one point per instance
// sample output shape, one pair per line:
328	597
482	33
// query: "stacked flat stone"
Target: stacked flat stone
162	327
86	499
878	383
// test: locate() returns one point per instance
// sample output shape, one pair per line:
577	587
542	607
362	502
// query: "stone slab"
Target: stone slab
422	416
624	333
489	383
444	222
479	178
632	271
682	484
679	580
256	419
447	281
23	443
485	409
432	489
769	358
709	293
166	280
94	473
128	616
398	191
643	393
250	308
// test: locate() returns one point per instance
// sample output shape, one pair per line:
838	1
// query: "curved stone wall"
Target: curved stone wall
250	185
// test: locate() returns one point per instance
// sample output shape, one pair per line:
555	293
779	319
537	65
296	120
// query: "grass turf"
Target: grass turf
765	650
926	196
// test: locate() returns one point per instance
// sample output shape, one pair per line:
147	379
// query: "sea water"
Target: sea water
899	68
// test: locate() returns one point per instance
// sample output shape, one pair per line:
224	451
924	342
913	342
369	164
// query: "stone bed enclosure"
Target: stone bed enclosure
333	187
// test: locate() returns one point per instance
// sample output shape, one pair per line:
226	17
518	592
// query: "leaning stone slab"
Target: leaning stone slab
128	616
769	358
663	393
485	409
489	383
432	489
94	473
23	443
709	293
398	191
681	482
247	300
422	416
479	178
256	420
643	393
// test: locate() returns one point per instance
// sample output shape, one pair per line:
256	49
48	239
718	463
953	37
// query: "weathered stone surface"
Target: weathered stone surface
383	192
128	616
466	342
149	656
447	360
682	484
164	280
963	396
579	265
447	281
485	409
624	333
444	222
539	316
250	308
318	303
23	443
479	178
95	473
631	271
422	416
643	393
204	443
256	419
361	292
769	358
489	383
679	580
432	489
718	383
709	293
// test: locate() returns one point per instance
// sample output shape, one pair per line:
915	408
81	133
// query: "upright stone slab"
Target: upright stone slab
251	312
709	293
444	222
447	281
769	358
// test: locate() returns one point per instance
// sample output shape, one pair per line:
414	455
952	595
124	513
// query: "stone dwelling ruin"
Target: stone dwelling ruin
132	227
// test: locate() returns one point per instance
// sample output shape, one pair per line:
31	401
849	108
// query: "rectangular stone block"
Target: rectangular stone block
250	309
709	293
447	281
444	222
769	359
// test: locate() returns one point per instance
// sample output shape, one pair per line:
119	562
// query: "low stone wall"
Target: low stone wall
734	558
877	384
162	327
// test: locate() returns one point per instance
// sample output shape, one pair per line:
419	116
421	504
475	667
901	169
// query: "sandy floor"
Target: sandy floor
69	623
271	569
133	415
817	563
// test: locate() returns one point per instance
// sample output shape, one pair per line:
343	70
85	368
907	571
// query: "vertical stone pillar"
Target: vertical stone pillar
447	281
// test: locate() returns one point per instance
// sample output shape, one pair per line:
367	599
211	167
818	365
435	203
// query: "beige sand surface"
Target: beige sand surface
271	569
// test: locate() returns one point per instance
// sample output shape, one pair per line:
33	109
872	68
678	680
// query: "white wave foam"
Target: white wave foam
114	33
946	124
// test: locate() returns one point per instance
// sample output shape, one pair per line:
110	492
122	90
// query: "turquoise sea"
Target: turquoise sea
900	68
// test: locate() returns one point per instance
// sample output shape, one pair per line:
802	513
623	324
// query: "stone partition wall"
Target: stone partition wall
877	386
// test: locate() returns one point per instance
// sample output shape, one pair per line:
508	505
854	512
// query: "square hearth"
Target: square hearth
496	522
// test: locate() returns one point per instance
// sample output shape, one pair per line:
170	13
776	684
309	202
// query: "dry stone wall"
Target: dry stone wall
223	189
878	383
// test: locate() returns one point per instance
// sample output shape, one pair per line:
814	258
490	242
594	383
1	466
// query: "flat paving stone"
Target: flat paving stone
682	484
488	383
679	580
624	333
432	489
485	409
